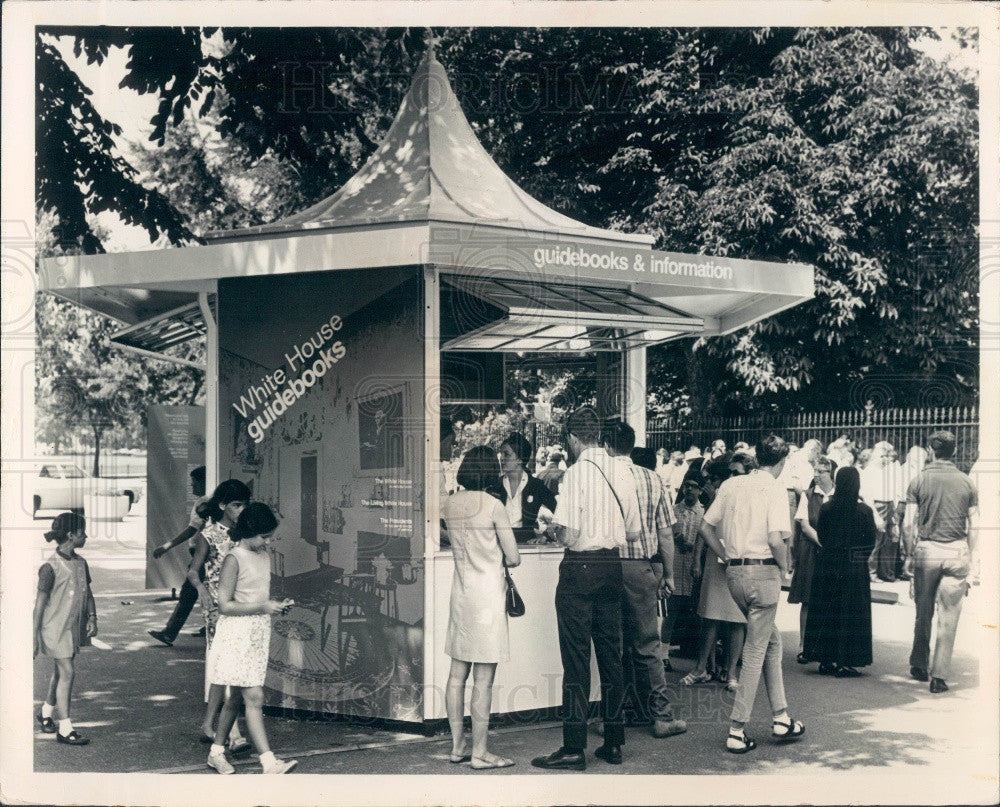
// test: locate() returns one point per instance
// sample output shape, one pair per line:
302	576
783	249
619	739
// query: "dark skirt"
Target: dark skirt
804	558
885	556
839	623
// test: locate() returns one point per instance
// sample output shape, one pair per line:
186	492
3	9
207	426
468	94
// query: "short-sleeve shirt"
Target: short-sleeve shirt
798	472
944	496
747	508
47	576
655	512
802	511
688	522
587	503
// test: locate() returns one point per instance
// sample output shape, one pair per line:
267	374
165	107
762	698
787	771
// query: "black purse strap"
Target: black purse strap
613	491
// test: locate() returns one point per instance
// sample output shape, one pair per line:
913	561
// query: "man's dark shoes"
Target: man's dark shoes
561	760
160	636
612	754
919	673
73	738
938	685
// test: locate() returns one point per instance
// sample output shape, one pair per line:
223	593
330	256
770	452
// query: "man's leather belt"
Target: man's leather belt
753	562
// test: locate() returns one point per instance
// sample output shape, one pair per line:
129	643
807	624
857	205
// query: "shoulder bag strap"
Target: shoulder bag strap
613	491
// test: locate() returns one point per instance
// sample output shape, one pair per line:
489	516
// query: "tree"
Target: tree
845	148
83	382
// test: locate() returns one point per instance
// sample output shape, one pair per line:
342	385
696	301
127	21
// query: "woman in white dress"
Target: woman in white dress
482	541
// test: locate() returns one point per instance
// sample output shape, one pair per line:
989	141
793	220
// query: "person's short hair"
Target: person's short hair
824	460
520	446
943	444
717	470
198	475
255	519
618	436
556	457
584	425
771	450
644	457
479	469
744	458
692	479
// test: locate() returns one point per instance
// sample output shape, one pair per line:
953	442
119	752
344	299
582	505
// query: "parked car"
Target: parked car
63	486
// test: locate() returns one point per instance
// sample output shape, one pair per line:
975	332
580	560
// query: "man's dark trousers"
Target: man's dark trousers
589	608
185	602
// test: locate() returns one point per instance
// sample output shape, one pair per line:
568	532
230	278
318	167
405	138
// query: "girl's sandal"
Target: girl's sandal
480	764
793	729
739	743
693	678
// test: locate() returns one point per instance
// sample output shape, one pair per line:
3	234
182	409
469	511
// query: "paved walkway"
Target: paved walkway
141	704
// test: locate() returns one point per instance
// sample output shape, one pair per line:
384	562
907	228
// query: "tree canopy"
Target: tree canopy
846	148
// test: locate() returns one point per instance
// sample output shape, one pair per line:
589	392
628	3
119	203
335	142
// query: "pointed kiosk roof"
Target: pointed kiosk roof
431	194
431	167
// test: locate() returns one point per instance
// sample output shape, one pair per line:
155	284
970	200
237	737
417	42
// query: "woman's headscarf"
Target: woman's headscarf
847	487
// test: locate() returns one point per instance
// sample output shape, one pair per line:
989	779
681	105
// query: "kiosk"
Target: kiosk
326	334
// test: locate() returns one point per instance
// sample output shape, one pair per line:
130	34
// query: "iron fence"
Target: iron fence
903	427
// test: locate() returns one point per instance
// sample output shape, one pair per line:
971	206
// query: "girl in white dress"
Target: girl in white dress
481	540
238	658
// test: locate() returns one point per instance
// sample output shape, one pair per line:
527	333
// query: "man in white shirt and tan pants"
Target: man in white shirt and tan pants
596	514
748	525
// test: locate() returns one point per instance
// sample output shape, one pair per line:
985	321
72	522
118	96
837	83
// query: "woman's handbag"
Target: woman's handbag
515	605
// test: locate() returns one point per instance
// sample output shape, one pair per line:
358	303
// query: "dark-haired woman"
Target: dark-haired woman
220	512
522	494
482	541
839	623
65	619
238	658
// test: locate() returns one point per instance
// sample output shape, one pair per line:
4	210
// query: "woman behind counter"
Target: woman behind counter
522	494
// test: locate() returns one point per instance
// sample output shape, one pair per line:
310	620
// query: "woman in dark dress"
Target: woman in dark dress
805	545
839	622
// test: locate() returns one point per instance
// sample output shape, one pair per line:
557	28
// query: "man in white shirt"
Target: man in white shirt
596	514
748	525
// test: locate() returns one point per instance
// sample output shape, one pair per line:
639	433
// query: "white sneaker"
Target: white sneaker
281	766
220	763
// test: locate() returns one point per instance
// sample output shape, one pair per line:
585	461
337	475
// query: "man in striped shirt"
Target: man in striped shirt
647	575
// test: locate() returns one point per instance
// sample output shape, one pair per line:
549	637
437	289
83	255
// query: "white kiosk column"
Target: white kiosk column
211	392
433	698
634	392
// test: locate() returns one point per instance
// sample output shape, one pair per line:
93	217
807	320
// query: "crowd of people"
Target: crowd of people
714	533
645	534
